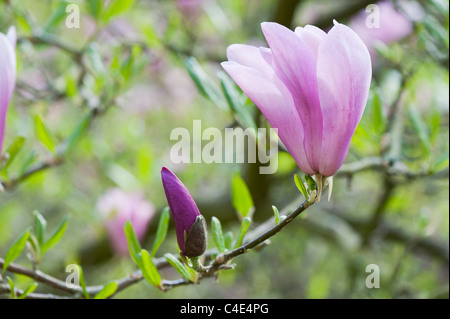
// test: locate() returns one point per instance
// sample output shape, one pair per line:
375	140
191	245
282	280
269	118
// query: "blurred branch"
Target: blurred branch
54	161
375	219
415	243
41	37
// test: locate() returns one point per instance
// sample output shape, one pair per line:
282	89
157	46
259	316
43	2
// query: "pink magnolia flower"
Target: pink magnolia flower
7	76
190	225
116	207
393	25
311	85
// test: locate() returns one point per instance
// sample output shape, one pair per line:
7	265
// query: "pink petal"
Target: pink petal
295	65
12	36
7	80
312	36
344	72
275	102
250	56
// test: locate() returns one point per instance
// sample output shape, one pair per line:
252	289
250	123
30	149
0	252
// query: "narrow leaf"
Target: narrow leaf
114	8
13	150
161	233
276	213
15	250
11	287
149	270
241	198
107	291
420	128
56	236
44	135
133	242
310	182
441	162
235	101
178	265
94	7
217	233
244	228
229	239
30	289
204	84
40	225
83	282
301	187
78	131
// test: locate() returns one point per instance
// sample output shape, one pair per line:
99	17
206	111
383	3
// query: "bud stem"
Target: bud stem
197	265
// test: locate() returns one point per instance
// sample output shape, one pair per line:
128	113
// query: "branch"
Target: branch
136	277
5	289
222	259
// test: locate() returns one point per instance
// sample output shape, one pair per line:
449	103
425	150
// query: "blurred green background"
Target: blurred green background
128	65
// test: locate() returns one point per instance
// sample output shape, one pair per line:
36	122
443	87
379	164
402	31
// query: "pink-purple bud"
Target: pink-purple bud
310	85
116	207
190	225
7	76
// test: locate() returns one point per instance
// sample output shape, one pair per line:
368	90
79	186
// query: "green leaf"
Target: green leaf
15	250
12	151
44	135
133	243
96	60
94	7
276	213
161	233
56	236
301	187
379	119
420	128
310	182
78	132
244	228
30	289
441	163
235	101
71	86
40	225
229	240
318	287
179	266
241	198
217	233
11	287
107	291
83	282
114	8
149	270
204	84
26	163
57	15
